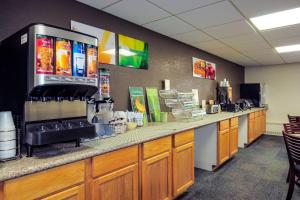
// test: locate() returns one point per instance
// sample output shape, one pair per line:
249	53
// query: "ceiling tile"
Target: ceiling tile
285	32
243	39
291	57
192	37
233	56
98	4
178	6
136	11
257	52
268	59
251	46
254	8
285	41
169	26
212	15
210	45
230	29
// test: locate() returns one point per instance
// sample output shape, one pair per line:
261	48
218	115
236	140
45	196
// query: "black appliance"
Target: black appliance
253	92
223	97
245	104
232	107
39	86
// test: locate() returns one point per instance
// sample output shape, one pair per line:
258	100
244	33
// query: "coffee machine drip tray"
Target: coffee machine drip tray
50	132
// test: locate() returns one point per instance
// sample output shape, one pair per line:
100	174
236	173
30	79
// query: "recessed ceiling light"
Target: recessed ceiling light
290	48
278	19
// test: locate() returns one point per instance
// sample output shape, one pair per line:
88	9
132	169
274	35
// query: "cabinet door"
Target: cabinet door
223	146
157	177
121	184
256	127
75	193
183	168
264	122
251	130
233	140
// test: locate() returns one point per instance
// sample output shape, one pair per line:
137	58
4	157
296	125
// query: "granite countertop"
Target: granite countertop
60	154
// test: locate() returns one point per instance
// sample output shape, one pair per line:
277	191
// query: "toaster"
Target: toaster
211	109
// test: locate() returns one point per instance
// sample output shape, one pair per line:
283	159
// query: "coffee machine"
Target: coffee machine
48	75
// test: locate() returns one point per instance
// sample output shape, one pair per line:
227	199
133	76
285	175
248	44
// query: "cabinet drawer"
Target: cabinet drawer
251	115
184	138
43	183
108	162
234	121
156	147
76	193
256	114
223	125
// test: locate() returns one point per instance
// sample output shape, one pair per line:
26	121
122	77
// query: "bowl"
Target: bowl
6	121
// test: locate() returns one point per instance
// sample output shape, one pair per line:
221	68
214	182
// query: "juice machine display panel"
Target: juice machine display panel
79	59
44	54
91	61
63	57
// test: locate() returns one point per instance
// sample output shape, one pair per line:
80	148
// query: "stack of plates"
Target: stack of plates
7	136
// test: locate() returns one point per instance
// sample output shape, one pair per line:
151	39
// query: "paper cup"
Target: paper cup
6	121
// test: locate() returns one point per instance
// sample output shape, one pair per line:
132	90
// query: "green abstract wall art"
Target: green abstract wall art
132	52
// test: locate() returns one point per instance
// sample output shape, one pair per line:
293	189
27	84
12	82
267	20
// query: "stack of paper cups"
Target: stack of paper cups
7	136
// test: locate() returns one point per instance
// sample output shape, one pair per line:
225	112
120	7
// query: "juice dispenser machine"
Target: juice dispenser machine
48	74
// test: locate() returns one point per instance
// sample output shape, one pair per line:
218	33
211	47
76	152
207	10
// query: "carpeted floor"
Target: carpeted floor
255	173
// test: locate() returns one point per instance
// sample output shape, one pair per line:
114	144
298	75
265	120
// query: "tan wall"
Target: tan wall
282	91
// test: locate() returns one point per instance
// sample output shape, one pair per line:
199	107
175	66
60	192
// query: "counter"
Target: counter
60	154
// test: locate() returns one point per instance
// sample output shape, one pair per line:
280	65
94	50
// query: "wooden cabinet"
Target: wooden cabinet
74	193
160	169
115	175
264	122
183	162
233	140
157	169
119	184
223	146
42	184
256	125
251	130
227	139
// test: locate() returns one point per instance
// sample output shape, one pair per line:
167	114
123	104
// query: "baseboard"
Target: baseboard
275	133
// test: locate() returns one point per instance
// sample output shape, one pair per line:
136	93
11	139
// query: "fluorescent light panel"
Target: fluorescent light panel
278	19
286	49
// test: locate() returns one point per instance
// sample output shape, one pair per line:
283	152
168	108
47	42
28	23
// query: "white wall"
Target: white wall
282	91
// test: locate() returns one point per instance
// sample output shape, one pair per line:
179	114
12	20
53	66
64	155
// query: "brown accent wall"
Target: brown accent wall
168	58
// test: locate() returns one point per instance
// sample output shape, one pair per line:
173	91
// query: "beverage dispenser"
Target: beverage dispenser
48	74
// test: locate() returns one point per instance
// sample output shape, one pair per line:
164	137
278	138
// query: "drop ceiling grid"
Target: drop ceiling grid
217	33
258	32
203	31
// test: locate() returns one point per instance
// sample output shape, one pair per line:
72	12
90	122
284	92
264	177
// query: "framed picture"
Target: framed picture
199	67
132	52
106	41
210	71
